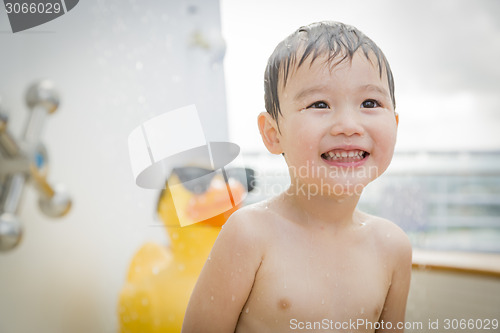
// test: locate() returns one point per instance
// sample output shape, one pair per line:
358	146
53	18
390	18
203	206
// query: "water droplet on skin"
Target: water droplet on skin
323	301
209	258
247	310
212	298
233	298
363	224
238	254
362	310
327	275
239	270
388	235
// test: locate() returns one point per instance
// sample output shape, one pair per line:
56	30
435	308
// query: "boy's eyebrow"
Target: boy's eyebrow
374	87
321	88
308	91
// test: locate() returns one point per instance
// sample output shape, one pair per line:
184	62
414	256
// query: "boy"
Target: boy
308	259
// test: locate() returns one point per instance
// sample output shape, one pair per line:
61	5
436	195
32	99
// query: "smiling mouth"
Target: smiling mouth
345	156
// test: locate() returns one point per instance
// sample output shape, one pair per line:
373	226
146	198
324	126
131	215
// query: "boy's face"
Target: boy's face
338	128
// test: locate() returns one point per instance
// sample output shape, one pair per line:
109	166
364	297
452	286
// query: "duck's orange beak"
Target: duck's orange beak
216	200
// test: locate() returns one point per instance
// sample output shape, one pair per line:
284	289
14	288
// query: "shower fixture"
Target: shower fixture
25	161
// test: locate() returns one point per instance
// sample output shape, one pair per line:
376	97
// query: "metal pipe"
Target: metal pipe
12	192
42	99
34	126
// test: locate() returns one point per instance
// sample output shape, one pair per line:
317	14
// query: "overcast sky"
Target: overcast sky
444	56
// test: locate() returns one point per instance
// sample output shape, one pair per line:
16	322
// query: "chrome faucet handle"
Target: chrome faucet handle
10	231
43	93
25	160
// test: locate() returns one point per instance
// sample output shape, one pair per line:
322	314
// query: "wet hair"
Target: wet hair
328	38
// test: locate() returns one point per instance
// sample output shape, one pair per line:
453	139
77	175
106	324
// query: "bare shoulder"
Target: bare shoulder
250	216
390	238
248	224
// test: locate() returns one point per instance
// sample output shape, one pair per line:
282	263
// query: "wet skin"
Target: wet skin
303	258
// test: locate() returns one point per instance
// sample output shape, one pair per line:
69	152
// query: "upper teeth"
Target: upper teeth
350	153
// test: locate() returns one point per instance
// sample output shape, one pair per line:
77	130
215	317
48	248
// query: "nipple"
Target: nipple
284	304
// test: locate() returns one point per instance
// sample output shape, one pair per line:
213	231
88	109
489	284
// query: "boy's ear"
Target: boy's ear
269	132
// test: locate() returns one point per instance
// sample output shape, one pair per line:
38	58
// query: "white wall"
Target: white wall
115	64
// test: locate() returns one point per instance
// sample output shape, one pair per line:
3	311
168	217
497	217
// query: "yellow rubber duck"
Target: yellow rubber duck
160	279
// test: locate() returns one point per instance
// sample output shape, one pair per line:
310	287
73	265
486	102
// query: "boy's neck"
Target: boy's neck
335	211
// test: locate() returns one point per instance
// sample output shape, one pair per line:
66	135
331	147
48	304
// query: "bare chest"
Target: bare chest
307	282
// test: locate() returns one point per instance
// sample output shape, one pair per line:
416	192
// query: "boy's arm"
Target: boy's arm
395	302
226	279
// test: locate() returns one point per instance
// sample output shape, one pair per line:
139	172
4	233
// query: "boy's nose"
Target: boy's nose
346	122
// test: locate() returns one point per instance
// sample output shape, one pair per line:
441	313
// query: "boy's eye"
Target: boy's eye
318	105
370	103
